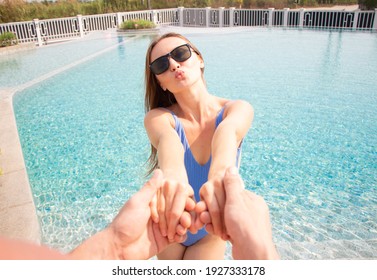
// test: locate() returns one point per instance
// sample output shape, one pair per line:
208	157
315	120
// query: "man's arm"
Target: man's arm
131	235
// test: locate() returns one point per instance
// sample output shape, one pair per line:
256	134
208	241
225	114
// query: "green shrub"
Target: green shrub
8	39
137	24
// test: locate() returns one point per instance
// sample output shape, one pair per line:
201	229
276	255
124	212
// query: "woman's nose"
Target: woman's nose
173	65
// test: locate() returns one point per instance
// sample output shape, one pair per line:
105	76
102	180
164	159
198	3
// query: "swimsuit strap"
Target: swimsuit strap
219	117
180	130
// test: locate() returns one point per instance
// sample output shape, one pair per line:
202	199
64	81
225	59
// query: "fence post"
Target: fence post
119	19
221	17
80	25
375	20
355	18
208	16
154	16
270	16
285	18
38	32
301	23
180	11
231	16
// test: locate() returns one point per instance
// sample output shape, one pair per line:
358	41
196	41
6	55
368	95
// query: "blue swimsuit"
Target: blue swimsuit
197	174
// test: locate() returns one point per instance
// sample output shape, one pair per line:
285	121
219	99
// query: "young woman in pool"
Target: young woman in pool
195	136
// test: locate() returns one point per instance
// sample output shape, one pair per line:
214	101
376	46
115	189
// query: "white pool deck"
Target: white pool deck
17	211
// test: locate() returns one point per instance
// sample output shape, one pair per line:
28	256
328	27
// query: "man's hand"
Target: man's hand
247	220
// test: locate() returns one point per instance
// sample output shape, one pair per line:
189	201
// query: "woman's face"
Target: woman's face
180	75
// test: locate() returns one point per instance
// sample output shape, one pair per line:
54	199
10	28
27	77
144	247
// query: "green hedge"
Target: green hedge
8	39
137	24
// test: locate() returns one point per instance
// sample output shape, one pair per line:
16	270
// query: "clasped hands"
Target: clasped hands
176	212
163	211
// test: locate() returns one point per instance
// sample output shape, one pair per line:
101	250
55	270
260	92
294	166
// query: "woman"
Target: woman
195	136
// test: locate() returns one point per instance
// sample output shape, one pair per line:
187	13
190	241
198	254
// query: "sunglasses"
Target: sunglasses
179	54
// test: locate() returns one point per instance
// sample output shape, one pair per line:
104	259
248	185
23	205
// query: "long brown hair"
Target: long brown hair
155	96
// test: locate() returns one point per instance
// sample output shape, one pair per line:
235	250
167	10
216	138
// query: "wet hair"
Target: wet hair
155	96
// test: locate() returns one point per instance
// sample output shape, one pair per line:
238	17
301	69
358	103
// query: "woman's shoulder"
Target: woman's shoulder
159	114
238	106
158	111
228	103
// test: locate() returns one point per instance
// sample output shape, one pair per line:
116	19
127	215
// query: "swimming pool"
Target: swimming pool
311	151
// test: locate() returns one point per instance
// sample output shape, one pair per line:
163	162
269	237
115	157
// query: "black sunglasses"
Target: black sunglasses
179	54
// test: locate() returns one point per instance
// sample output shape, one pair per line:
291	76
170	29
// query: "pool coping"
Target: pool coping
17	211
16	48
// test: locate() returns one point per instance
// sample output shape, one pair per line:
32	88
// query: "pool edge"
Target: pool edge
18	214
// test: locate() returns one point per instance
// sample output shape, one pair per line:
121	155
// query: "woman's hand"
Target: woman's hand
170	209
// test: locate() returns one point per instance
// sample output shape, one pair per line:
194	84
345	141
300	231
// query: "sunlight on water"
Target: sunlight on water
311	151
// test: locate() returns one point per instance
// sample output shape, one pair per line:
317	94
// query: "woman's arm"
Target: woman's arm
174	195
237	119
159	125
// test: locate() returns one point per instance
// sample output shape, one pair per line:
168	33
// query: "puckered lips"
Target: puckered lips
179	74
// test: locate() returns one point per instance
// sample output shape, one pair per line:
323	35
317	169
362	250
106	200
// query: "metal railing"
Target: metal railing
44	31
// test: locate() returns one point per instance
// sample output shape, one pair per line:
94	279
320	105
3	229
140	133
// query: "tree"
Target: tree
367	4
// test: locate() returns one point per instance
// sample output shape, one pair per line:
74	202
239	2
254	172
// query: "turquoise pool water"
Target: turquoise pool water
312	150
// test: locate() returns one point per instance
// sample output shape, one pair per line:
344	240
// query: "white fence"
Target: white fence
43	31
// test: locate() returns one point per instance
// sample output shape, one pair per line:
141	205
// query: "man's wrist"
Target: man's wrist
217	172
100	246
249	248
